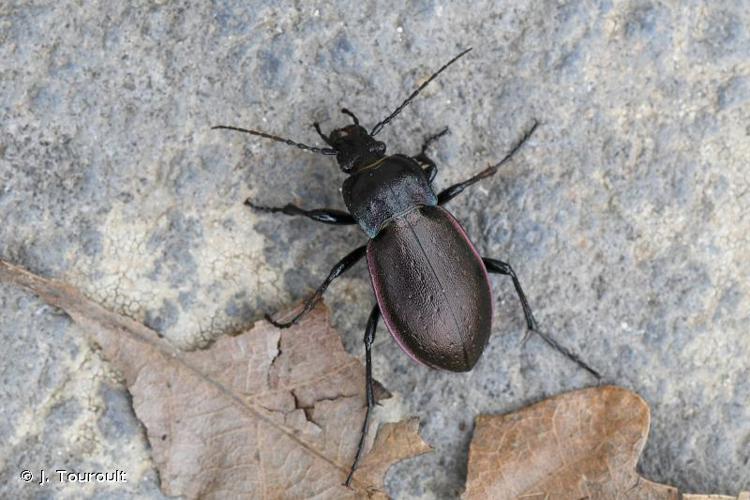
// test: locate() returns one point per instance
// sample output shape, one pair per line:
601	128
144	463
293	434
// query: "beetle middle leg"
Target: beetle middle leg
340	268
325	215
429	166
452	191
372	325
500	267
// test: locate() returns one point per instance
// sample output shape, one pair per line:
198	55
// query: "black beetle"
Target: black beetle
430	283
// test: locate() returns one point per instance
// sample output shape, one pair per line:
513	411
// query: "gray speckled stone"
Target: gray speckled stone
625	215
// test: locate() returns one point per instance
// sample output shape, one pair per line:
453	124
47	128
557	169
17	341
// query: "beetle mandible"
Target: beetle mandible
430	283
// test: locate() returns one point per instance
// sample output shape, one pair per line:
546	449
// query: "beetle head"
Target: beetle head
355	148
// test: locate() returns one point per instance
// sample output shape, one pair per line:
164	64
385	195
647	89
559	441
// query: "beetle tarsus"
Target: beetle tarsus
260	208
372	326
309	304
500	267
430	139
277	324
569	354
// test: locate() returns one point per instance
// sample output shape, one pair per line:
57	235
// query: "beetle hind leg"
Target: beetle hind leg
372	325
499	267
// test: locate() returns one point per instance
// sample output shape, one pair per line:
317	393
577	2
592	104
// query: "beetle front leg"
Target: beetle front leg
452	191
372	325
500	267
340	268
325	215
430	168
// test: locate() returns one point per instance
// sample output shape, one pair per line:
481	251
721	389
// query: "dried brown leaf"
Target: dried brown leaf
742	496
267	414
394	442
583	444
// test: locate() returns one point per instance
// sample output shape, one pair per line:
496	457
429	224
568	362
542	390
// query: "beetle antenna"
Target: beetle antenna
323	151
377	128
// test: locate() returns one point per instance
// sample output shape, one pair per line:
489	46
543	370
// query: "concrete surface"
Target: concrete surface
626	215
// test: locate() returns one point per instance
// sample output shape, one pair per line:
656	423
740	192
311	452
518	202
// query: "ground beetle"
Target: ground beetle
430	283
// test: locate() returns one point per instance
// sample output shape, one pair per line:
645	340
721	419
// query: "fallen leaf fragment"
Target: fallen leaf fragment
267	414
394	442
583	444
742	496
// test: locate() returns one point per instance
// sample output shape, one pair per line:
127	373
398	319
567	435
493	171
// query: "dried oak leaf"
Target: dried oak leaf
267	414
580	445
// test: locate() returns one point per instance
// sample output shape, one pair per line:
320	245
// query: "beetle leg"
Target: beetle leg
325	215
500	267
430	168
372	325
340	268
451	192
